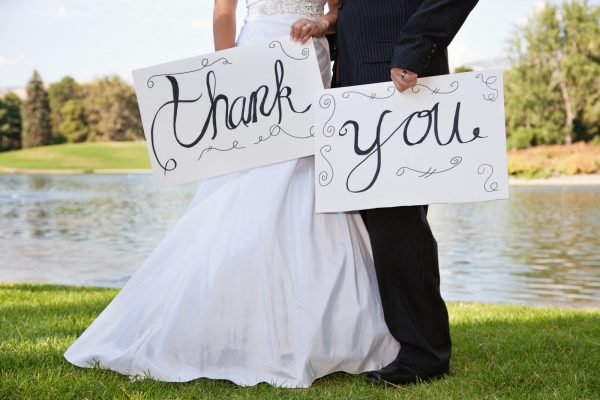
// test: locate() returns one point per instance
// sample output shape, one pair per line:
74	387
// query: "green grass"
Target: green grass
81	156
536	162
500	352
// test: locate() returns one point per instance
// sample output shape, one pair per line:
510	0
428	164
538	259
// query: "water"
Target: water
541	247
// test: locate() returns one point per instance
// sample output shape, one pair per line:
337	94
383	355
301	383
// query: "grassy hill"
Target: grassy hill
81	156
535	162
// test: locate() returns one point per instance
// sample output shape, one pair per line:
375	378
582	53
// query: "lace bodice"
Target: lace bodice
311	8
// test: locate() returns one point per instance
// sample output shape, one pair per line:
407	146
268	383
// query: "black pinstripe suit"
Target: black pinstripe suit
373	36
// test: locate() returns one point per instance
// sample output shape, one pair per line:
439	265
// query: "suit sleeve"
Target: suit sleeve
429	31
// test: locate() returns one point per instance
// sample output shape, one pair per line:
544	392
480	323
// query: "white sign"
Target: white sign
230	110
442	141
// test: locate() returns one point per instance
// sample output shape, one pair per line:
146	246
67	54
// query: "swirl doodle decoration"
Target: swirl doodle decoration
204	64
454	161
325	102
417	88
234	145
325	177
373	96
488	186
489	81
276	129
305	51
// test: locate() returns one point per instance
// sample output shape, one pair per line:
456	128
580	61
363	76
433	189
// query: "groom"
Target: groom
399	40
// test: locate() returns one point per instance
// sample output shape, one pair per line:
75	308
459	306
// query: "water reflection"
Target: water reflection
539	247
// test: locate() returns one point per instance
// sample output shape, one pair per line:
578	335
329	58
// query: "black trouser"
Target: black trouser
406	263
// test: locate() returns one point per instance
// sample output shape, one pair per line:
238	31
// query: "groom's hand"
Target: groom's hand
403	78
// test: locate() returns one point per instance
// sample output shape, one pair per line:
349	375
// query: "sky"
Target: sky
87	39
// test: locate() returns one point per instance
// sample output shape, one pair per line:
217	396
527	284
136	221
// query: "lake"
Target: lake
541	247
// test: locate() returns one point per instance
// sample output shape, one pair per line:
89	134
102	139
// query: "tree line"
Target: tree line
69	112
552	91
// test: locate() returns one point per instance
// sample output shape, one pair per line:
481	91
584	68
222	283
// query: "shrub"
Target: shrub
522	138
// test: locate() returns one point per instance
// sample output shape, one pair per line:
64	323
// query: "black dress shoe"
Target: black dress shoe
404	372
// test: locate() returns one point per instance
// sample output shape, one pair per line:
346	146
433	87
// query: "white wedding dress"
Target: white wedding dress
250	285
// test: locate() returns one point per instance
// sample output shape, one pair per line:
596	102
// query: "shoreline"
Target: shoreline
566	180
76	171
578	180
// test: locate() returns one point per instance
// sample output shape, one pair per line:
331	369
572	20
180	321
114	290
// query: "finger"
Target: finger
398	83
401	85
308	33
306	29
411	82
295	31
398	86
404	74
297	28
396	76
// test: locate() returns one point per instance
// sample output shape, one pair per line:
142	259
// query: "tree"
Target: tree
10	122
36	114
534	113
553	89
58	94
74	126
581	67
112	110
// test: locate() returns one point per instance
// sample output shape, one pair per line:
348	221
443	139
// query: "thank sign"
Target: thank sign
442	141
230	110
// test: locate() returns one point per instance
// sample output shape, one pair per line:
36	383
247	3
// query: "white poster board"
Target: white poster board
442	141
231	110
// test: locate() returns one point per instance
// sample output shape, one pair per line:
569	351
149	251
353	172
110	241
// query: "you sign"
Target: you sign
442	141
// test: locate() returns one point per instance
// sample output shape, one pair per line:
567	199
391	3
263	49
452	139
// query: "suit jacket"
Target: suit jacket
373	36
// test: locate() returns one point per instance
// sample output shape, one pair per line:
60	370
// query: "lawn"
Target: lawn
535	162
81	156
500	352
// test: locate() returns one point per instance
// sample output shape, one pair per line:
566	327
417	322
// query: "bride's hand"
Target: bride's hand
304	29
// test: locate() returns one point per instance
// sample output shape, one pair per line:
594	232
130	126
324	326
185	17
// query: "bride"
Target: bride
250	285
